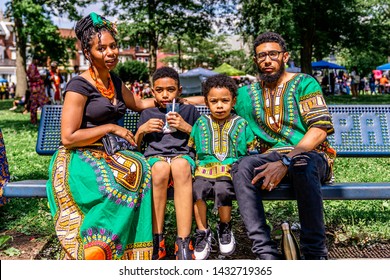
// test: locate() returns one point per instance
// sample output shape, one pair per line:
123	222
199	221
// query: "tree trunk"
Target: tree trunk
153	56
307	39
306	53
179	53
21	76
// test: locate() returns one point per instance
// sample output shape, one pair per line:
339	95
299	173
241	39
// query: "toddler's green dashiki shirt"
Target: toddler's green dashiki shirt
218	146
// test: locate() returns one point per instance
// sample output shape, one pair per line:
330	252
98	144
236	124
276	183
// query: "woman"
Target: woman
101	204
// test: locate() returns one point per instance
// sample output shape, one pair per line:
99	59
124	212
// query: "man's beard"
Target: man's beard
273	77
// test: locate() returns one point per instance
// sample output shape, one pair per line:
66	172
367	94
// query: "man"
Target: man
288	114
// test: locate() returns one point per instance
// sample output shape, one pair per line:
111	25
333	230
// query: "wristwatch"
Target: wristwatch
286	160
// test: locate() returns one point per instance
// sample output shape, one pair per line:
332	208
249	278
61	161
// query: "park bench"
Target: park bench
360	131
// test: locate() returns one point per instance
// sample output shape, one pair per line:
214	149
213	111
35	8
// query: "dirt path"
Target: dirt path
27	247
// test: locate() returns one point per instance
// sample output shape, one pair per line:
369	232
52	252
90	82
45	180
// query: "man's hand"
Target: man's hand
272	172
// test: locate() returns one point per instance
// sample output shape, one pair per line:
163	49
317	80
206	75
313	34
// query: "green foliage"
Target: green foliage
314	28
4	246
204	52
147	23
4	240
34	26
132	70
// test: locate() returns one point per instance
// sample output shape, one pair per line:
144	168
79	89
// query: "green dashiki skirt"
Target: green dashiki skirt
101	204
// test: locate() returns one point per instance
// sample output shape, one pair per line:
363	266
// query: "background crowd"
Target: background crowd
53	83
353	83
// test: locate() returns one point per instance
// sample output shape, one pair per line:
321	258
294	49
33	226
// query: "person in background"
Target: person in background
383	84
11	90
171	160
219	139
55	80
76	71
355	81
3	91
371	82
100	203
288	114
146	91
21	102
38	97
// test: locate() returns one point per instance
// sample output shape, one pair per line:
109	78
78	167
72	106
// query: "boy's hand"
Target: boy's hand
177	121
152	125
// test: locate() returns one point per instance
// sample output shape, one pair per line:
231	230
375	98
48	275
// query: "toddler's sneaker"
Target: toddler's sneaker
202	244
159	251
226	241
184	249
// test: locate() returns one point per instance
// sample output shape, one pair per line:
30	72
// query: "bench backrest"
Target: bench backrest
360	130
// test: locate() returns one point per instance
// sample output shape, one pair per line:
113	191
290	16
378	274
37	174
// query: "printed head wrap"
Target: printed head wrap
93	20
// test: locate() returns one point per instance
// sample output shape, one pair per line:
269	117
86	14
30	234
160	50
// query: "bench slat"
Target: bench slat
360	130
337	191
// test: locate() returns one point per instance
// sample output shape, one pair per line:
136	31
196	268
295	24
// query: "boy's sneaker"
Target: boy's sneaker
184	249
202	244
159	251
226	241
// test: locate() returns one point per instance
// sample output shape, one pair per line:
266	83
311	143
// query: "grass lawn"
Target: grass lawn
361	222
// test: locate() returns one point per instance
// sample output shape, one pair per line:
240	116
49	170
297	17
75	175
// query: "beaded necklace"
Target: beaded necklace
106	92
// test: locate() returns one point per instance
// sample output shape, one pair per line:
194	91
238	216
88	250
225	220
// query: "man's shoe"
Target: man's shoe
202	244
226	240
159	251
184	249
13	108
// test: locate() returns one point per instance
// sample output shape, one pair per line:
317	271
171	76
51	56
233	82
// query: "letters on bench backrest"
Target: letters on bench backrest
360	130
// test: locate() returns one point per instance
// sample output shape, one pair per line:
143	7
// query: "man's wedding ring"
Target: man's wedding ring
271	185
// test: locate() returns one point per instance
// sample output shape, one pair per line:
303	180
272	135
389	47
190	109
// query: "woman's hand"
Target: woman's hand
272	172
177	121
125	134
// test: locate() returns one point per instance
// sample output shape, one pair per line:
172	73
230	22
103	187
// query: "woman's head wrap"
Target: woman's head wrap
93	20
87	27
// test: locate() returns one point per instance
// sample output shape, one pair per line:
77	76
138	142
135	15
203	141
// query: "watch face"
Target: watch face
286	160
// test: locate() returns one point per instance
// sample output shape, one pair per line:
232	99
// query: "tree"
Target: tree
312	28
369	46
146	23
34	28
205	52
132	70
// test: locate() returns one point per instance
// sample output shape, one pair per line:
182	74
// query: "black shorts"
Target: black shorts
222	192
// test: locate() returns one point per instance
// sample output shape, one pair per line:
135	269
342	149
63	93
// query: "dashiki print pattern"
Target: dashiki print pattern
4	172
280	120
101	204
218	146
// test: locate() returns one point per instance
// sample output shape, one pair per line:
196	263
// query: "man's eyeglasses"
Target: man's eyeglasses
272	55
